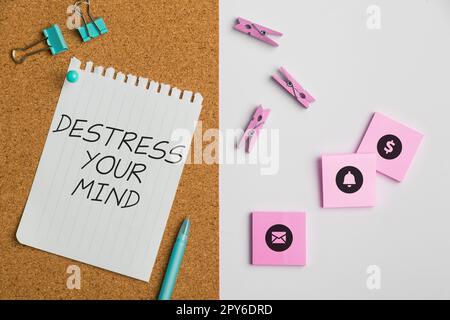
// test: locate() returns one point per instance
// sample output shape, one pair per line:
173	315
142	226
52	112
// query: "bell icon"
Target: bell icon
349	179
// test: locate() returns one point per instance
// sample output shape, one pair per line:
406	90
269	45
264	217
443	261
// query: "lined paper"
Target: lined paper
122	133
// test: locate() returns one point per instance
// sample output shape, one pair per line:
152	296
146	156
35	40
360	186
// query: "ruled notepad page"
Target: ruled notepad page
109	170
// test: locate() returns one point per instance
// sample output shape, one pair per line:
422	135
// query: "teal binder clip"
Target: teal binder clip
93	29
55	41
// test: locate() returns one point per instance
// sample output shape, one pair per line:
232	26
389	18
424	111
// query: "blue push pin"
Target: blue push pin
72	76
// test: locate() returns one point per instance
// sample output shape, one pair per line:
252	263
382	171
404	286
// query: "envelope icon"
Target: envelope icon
279	237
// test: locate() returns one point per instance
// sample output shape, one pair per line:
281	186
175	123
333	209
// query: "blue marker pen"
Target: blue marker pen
176	257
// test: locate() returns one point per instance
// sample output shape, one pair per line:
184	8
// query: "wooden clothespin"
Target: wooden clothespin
255	125
256	31
294	88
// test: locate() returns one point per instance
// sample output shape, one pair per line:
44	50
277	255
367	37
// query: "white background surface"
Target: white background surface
401	70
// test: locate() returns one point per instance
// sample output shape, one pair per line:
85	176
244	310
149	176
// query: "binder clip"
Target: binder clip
256	31
255	125
94	28
294	88
54	38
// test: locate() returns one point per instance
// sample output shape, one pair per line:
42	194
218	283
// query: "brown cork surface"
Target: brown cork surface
175	42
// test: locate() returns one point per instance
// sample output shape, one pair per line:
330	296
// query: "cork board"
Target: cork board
174	42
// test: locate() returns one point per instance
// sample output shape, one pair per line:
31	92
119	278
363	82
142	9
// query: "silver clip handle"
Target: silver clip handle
19	59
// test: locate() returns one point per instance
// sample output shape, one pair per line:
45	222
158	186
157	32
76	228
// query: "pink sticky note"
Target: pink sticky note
279	238
394	144
348	180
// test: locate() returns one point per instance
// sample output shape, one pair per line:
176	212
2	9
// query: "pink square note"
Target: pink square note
279	238
348	180
394	144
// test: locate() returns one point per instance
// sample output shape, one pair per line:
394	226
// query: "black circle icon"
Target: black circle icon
279	237
349	179
389	147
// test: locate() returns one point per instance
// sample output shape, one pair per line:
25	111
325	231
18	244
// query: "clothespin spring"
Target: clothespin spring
261	32
295	91
259	124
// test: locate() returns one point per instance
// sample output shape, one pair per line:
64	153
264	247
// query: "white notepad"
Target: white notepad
110	169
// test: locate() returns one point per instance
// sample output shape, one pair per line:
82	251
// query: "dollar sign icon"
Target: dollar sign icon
389	147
